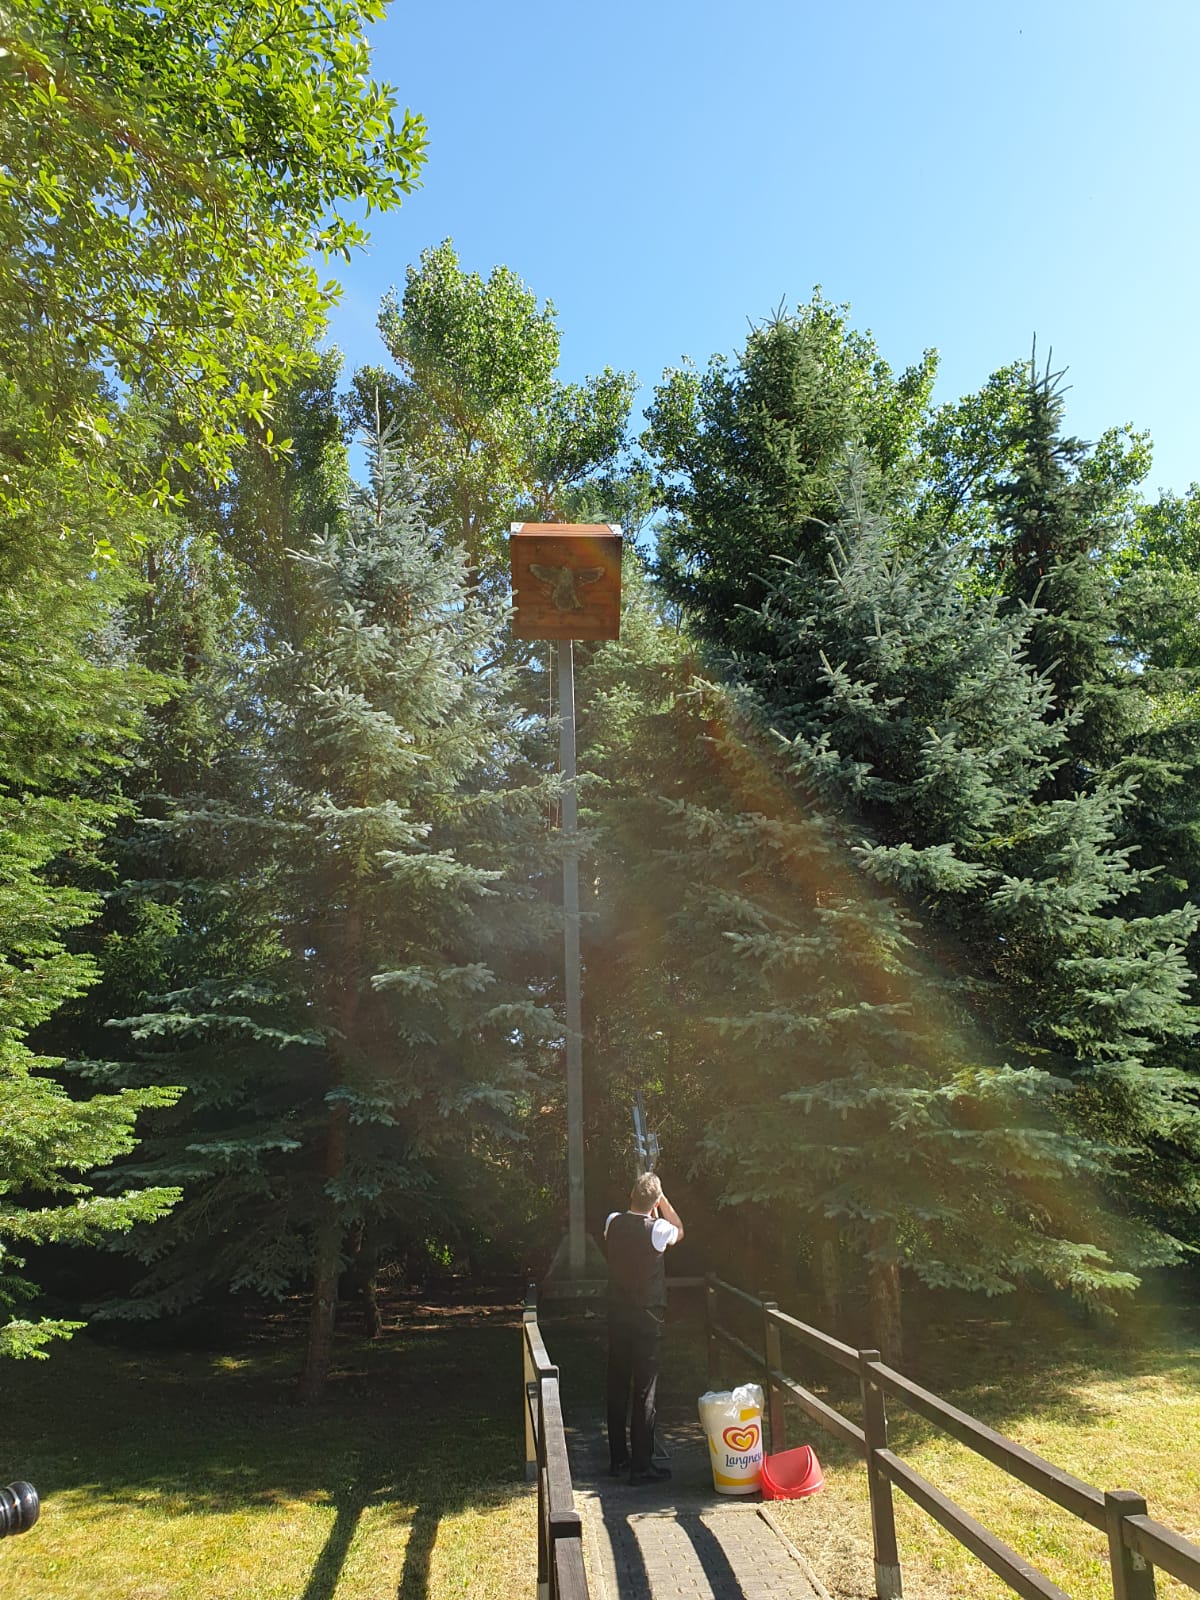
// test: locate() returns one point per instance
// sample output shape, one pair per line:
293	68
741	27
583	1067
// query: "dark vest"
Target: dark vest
636	1270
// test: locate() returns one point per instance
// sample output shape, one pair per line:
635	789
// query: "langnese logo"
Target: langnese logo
741	1440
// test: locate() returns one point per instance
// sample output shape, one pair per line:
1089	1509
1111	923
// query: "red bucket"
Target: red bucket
792	1474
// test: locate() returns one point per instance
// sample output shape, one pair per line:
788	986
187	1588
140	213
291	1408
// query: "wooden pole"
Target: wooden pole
1132	1575
888	1585
571	963
773	1358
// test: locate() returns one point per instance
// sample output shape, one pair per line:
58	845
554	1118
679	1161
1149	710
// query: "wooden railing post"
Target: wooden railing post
570	1574
560	1568
1139	1546
773	1357
888	1585
545	1491
1132	1574
528	1381
711	1354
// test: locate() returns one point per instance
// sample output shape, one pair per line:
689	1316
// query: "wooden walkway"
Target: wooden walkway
678	1540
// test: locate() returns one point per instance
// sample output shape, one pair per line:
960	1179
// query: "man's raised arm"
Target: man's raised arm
669	1214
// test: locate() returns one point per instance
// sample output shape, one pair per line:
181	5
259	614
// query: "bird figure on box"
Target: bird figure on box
560	583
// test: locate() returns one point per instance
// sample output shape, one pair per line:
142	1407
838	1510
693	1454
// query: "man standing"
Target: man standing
637	1241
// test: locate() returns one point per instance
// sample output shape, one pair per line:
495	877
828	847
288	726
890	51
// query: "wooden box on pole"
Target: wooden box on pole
566	579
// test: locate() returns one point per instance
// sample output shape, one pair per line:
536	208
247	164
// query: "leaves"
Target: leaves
352	920
749	455
165	175
477	409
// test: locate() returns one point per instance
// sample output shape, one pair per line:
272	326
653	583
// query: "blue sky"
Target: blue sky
965	175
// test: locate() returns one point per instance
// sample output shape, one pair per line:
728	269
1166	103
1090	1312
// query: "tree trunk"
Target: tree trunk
372	1317
887	1328
829	1279
327	1255
364	1269
326	1267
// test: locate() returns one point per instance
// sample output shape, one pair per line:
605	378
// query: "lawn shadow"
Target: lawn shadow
423	1527
418	1553
322	1585
423	1422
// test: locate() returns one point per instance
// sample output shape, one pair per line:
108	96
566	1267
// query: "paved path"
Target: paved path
678	1540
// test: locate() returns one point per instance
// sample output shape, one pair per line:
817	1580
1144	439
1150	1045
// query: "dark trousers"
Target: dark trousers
634	1335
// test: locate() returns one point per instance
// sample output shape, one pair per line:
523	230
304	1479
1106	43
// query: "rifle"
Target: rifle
645	1143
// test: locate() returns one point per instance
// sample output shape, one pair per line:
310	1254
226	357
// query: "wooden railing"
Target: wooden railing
1136	1543
561	1574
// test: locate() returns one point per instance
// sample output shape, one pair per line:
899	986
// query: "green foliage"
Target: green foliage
750	456
354	1020
70	705
476	408
1068	542
965	448
910	703
970	448
835	1082
1056	510
942	1068
46	1141
861	1080
1159	568
166	173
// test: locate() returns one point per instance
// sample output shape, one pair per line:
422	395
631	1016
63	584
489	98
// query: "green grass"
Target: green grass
1120	1412
180	1474
193	1476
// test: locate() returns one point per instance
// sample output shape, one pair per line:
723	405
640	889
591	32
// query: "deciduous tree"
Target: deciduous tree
166	173
477	409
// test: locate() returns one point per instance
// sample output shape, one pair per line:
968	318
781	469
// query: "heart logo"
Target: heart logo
742	1440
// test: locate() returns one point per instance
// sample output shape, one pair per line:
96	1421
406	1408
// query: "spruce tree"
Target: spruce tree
376	1031
879	929
1056	525
749	455
912	709
71	704
1121	784
837	1084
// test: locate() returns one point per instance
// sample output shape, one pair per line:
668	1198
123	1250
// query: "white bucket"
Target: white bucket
732	1419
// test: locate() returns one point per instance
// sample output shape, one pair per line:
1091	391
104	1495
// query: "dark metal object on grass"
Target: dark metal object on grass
19	1507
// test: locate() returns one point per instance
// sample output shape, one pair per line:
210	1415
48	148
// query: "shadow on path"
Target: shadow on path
625	1553
714	1563
678	1537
